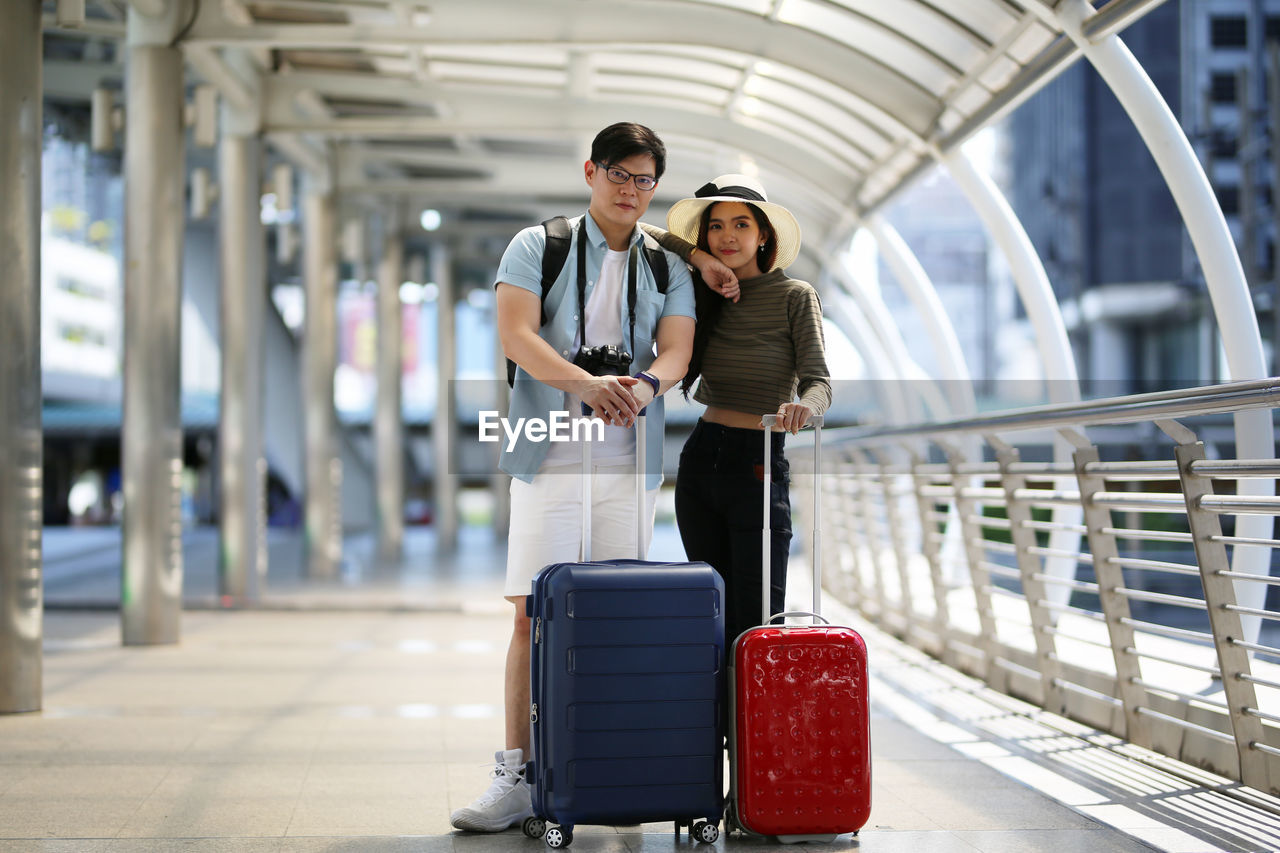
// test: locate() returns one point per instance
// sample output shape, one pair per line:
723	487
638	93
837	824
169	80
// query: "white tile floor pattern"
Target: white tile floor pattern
350	729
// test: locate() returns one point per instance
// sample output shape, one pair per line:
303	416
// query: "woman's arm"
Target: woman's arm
717	276
813	377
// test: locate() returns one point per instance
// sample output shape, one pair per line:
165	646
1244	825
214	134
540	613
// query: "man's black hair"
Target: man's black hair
626	139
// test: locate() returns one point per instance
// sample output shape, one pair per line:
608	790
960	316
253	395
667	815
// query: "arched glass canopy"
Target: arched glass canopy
491	103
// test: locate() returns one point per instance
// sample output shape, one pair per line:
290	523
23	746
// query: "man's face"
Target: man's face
620	204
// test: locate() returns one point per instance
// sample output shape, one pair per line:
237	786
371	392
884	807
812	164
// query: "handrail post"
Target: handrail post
1115	607
1033	589
931	545
1219	595
866	480
897	539
968	509
855	579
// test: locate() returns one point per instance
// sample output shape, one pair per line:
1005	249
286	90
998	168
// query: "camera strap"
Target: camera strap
632	257
632	260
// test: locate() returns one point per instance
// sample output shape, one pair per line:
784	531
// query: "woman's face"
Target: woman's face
734	237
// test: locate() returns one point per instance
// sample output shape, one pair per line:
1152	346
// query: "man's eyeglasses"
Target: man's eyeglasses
644	183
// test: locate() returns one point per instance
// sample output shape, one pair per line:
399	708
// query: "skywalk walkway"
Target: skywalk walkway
356	715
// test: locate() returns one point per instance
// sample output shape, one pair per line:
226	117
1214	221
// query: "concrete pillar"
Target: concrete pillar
21	606
501	481
323	465
388	425
444	424
154	219
240	417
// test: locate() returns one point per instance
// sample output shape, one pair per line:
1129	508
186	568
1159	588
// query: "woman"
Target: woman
759	354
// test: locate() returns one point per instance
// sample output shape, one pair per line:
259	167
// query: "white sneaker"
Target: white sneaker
507	802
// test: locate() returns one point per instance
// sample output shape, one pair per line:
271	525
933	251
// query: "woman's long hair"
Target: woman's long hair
707	302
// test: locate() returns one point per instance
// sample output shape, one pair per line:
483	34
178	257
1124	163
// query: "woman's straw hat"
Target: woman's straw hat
685	215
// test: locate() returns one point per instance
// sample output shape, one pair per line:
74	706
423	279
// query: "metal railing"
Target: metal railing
1109	591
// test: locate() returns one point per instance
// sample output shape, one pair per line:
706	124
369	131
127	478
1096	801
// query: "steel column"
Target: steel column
876	316
952	367
323	505
867	480
897	538
155	216
855	577
388	425
240	417
1033	588
885	384
968	510
21	137
1115	607
1029	277
1219	598
931	537
1215	249
445	422
953	370
1032	283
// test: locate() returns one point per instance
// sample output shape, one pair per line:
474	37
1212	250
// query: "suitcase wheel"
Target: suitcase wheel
534	827
705	832
559	836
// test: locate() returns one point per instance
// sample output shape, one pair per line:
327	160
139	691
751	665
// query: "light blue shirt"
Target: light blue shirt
521	266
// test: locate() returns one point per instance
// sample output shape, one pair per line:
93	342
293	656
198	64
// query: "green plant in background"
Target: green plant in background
100	233
67	220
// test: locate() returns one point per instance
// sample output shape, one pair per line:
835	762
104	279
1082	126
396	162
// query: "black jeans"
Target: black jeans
718	507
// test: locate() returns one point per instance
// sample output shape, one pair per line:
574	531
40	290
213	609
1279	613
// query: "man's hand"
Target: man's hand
612	398
717	276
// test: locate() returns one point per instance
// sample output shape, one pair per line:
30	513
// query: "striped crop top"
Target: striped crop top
766	347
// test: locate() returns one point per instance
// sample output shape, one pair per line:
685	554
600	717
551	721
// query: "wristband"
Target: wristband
651	379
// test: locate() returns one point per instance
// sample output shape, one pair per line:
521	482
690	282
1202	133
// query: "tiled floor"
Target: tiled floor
359	728
329	731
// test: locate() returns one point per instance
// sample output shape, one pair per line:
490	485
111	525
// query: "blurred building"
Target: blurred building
1104	222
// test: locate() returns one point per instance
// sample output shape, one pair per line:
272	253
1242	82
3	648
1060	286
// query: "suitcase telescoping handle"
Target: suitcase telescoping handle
766	537
817	616
641	423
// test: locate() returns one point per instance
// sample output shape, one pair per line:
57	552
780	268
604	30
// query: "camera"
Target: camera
607	360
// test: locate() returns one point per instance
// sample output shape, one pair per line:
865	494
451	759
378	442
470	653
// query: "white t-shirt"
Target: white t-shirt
604	326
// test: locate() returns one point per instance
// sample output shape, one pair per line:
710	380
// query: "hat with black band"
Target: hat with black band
686	214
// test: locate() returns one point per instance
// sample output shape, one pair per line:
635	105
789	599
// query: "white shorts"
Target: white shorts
546	519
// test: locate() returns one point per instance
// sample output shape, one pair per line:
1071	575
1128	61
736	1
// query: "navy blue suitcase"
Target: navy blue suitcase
627	671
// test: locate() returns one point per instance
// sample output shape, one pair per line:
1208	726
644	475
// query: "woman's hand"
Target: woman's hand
793	416
717	276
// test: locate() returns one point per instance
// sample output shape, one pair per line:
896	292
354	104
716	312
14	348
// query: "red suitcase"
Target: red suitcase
799	745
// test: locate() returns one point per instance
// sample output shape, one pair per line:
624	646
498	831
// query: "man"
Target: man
546	510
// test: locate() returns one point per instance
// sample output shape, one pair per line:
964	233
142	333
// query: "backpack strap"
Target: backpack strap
657	261
554	254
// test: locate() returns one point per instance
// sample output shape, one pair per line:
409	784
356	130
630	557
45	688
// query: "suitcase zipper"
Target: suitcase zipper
537	630
533	713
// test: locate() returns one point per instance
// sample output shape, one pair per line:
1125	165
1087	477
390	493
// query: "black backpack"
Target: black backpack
556	253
